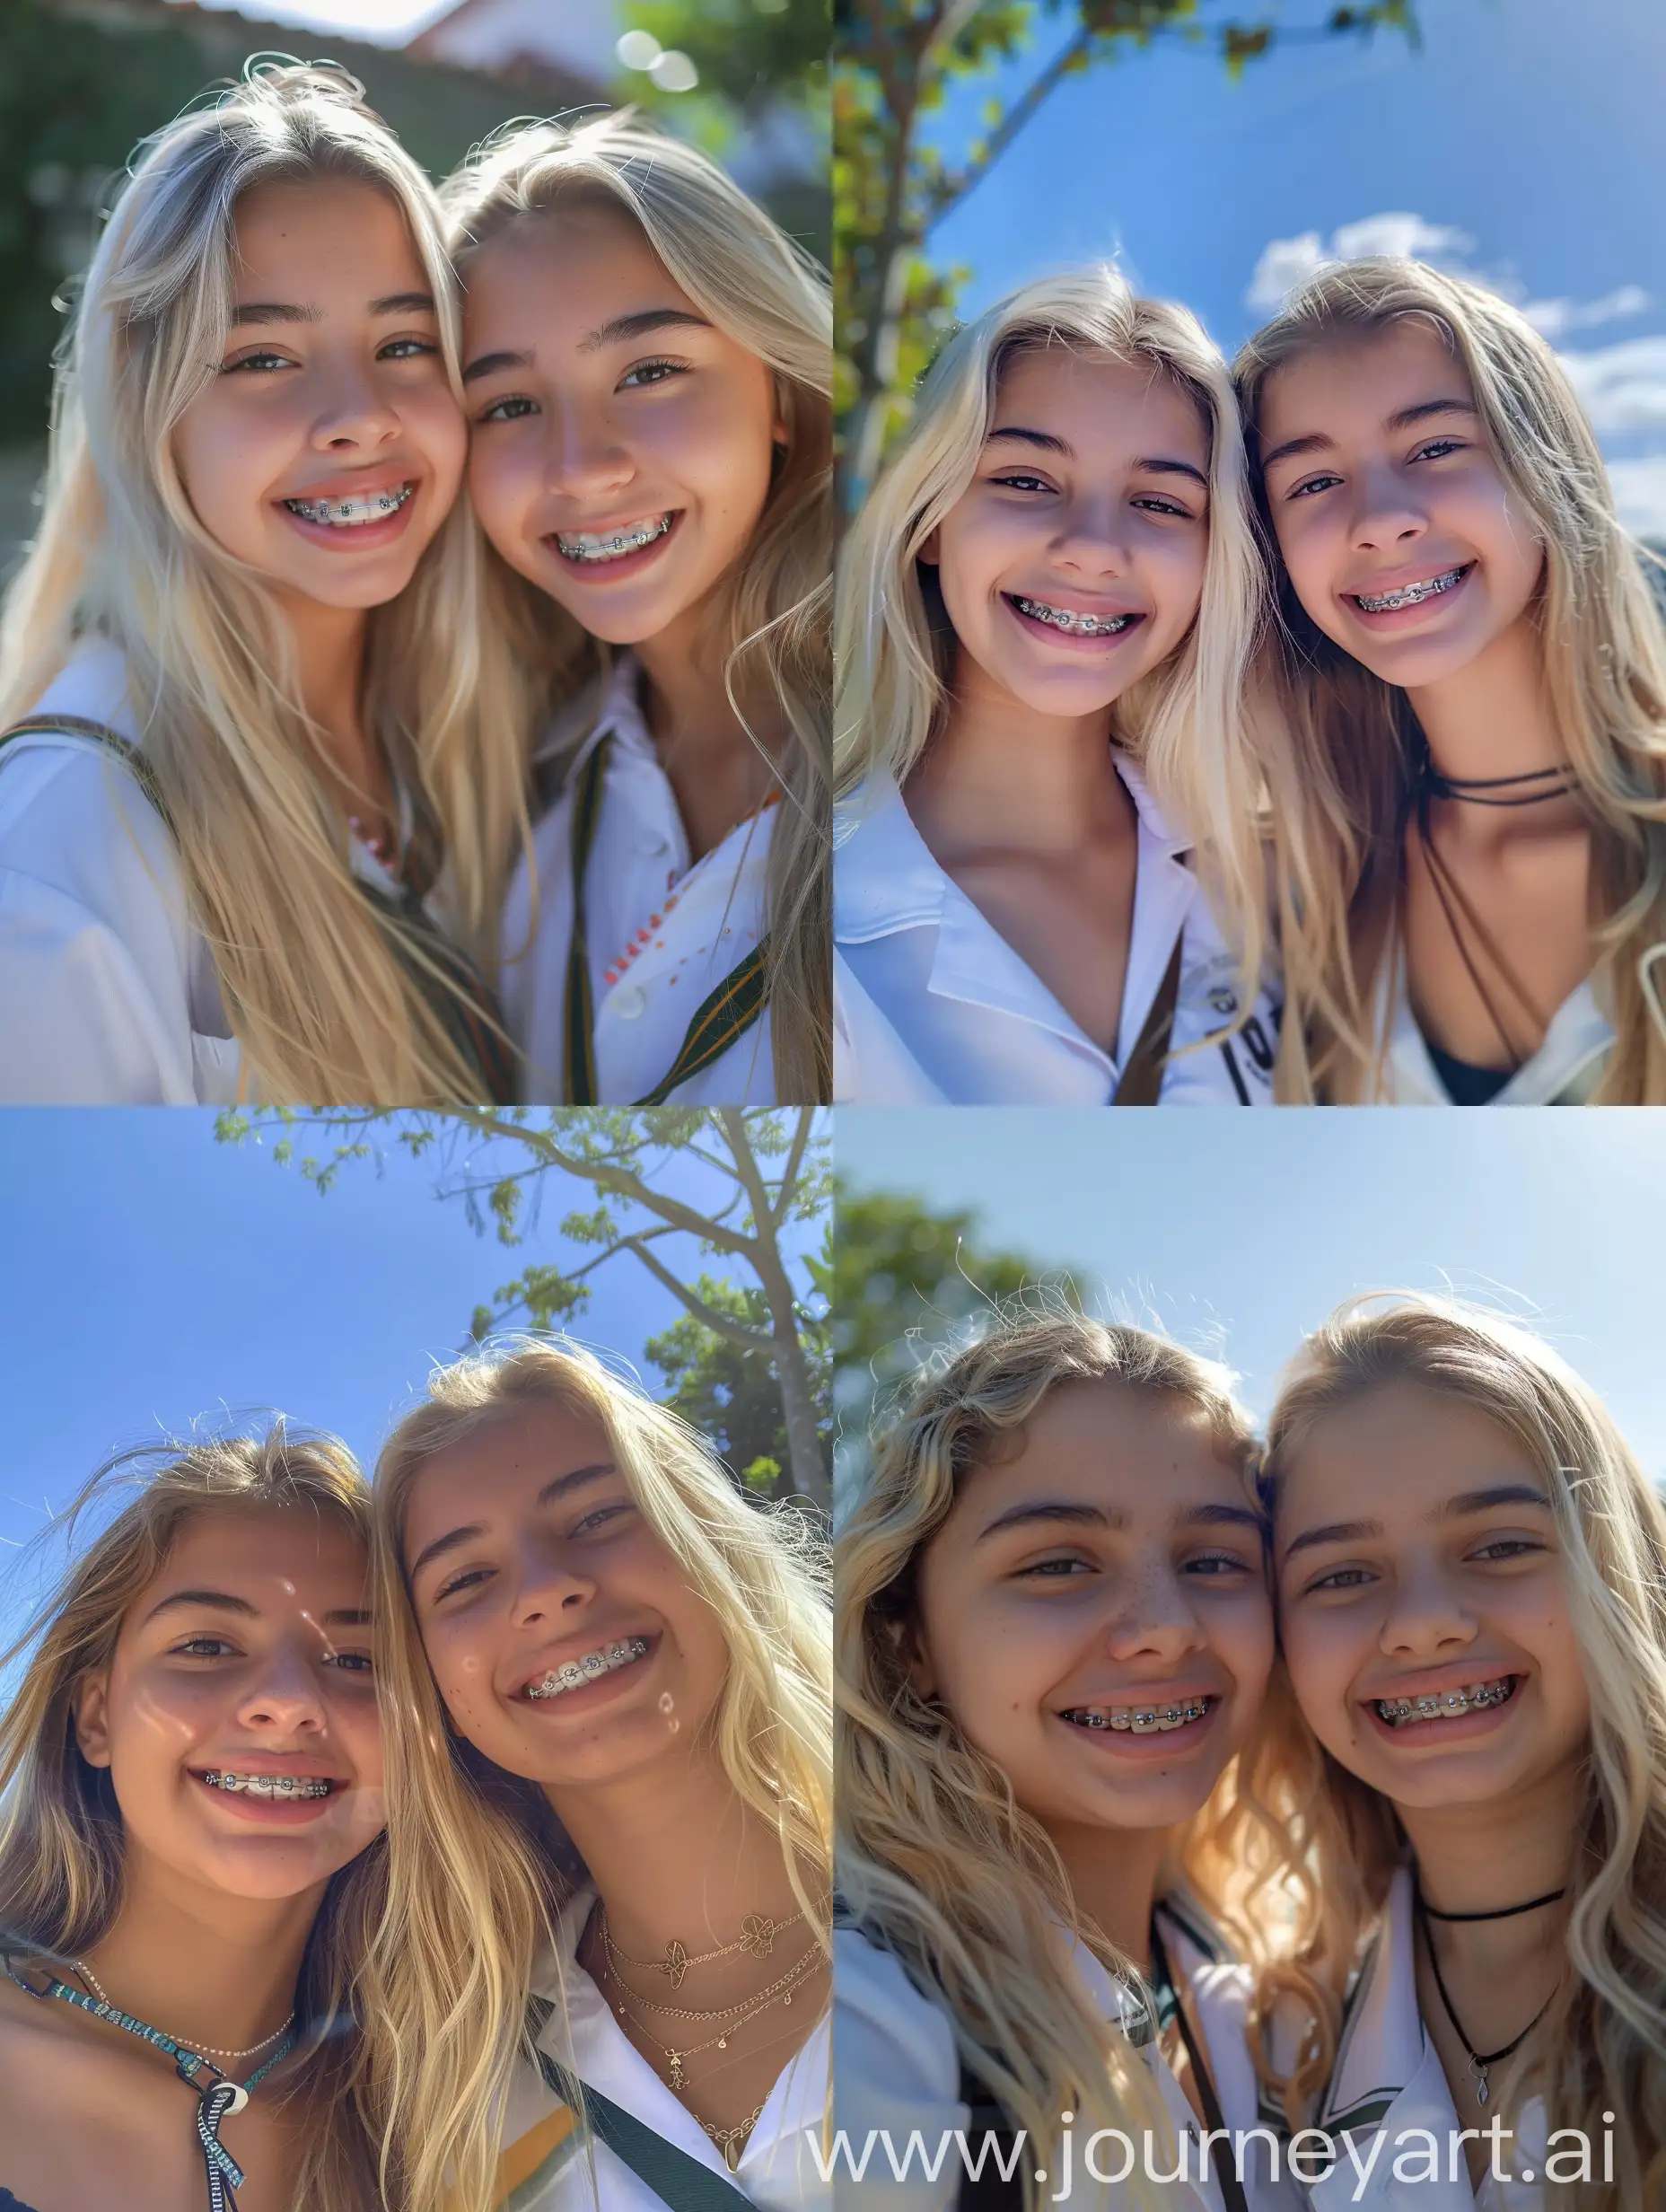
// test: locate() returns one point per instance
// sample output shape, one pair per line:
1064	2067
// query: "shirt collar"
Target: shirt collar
611	707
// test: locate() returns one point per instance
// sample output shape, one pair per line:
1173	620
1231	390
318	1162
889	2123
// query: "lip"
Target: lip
365	537
273	1811
614	1683
599	574
1157	1744
1074	641
1461	1729
1405	618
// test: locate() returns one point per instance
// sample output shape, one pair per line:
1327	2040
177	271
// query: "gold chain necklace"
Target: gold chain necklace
758	1936
203	2051
731	2141
798	1971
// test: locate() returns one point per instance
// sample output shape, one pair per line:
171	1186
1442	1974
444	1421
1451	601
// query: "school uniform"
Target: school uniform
107	991
933	1007
1565	1071
895	2067
546	2165
1389	2079
662	932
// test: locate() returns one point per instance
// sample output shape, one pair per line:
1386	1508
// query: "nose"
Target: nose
1152	1617
586	457
285	1697
546	1586
1386	518
1094	539
1426	1618
353	412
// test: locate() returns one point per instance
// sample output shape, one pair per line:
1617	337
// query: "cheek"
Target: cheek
441	434
1321	1658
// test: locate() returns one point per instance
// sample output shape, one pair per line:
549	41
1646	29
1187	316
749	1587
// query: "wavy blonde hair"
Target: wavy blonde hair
61	1839
1343	747
894	652
317	982
938	1864
771	621
1604	2034
477	1865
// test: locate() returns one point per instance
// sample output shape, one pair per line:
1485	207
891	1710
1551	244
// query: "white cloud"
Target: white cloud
1640	495
1286	262
1622	388
1555	318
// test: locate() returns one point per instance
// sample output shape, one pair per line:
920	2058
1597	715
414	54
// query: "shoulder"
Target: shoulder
884	2028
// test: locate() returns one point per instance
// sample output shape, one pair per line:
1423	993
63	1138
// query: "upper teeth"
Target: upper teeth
1140	1720
573	1673
1066	619
357	508
1443	1703
1409	594
579	545
269	1785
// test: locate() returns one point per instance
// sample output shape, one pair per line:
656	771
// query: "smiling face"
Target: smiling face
1424	1602
1073	564
564	1637
246	1660
1094	1614
1403	541
328	449
622	447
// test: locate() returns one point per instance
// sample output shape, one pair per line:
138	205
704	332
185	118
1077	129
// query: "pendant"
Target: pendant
723	2043
676	2069
1480	2093
757	1935
675	1963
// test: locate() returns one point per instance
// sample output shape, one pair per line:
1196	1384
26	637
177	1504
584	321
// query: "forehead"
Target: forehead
501	1466
570	268
279	1558
318	231
1348	386
1098	405
1145	1456
1398	1453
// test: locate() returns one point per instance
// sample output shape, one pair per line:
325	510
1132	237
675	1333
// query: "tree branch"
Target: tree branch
722	1324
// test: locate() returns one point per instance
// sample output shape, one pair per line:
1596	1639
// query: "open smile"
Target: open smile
580	1673
354	510
272	1785
1443	1707
1073	621
1141	1720
1410	594
605	548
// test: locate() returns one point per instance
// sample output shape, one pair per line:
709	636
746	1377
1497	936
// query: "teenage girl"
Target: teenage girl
1468	781
190	1801
1053	1634
604	1966
648	364
1048	877
1471	1571
258	796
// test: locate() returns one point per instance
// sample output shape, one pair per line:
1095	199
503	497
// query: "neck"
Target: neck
711	760
1113	1880
1492	718
1479	1858
199	1964
329	659
676	1854
1000	774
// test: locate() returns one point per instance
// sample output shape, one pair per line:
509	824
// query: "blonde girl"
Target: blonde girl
606	1689
1053	1634
1471	1575
648	364
1467	757
190	1807
1047	881
258	795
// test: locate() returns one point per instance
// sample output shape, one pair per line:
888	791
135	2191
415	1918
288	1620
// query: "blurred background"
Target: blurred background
82	82
170	1267
1237	1247
1220	150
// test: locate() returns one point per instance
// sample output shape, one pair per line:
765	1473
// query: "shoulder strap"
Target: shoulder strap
100	734
1141	1079
1233	2193
989	2191
722	1015
678	2180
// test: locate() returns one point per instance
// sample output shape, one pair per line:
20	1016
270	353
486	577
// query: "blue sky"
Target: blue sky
1512	146
152	1276
1238	1236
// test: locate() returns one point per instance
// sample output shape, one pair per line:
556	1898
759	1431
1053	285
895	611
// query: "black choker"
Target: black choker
1508	1912
1483	790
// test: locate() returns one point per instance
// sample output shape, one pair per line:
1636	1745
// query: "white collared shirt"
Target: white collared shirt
1565	1071
553	2172
663	935
896	2070
931	1006
107	991
1389	2080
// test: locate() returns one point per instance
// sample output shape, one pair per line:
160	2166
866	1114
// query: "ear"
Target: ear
930	552
917	1660
89	1705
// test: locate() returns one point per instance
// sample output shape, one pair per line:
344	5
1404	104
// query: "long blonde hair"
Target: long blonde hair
937	1861
477	1865
771	621
894	650
1342	746
61	1841
1604	2034
316	981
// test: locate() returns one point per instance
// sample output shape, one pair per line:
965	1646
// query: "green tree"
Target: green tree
904	1281
768	1173
894	62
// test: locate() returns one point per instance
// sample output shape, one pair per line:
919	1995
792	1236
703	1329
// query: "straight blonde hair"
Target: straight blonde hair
771	621
938	1863
1184	723
1342	748
477	1863
61	1841
318	984
1604	2036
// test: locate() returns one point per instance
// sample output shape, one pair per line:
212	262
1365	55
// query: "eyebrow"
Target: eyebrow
1080	1515
1459	1509
222	1602
1048	443
281	310
624	327
574	1480
1316	441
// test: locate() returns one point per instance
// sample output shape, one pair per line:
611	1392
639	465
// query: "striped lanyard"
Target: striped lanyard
216	2103
724	1013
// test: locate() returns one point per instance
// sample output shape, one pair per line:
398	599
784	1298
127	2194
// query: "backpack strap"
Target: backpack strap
991	2191
1141	1079
122	747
